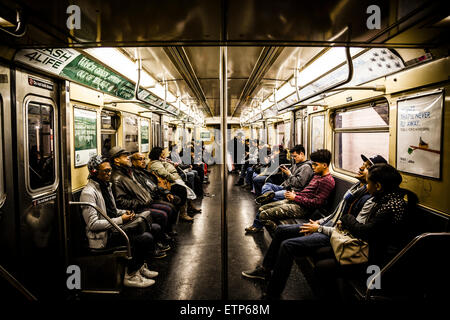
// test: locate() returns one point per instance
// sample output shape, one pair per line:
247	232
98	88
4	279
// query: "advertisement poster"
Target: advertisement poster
145	138
85	132
419	128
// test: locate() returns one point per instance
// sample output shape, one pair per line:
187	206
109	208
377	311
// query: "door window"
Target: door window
41	145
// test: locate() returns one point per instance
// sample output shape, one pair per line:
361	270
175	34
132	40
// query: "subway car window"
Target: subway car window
2	181
41	150
363	130
298	130
109	124
130	132
317	132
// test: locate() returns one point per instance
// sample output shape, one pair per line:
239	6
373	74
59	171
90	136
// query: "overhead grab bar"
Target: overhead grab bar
350	68
19	25
374	88
119	229
136	88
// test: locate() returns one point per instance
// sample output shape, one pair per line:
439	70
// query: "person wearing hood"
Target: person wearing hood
297	178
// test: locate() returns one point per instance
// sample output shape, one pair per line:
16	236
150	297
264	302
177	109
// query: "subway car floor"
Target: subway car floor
191	270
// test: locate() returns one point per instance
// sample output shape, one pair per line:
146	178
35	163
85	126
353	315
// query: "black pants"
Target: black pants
180	192
142	245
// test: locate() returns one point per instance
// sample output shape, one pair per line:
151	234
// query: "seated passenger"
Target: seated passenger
98	192
130	195
258	169
163	169
299	204
297	179
277	158
251	158
163	199
385	226
287	244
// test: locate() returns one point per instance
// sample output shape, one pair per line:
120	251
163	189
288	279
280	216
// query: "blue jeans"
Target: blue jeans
286	245
249	176
279	190
258	183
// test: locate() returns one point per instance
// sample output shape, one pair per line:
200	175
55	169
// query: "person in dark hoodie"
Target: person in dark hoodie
163	199
130	195
297	177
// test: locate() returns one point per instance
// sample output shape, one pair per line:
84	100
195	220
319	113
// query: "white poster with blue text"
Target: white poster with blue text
419	129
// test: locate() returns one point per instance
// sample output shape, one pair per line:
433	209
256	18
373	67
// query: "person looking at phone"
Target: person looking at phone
297	177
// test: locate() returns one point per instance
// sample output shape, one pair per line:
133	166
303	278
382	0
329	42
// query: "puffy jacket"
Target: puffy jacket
96	224
129	194
164	170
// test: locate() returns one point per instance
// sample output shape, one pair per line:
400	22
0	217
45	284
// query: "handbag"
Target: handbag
348	249
190	193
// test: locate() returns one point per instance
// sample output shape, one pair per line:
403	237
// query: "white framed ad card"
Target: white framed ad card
419	134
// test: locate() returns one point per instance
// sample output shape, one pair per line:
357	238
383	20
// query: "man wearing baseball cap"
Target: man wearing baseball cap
298	240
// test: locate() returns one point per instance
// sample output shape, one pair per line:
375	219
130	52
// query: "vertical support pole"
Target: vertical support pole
223	130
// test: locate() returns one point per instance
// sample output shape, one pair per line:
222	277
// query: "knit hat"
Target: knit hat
94	162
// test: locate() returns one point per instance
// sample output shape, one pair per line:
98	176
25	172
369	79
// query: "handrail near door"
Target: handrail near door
110	221
16	284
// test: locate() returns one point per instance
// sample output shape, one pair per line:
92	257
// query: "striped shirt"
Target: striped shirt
316	192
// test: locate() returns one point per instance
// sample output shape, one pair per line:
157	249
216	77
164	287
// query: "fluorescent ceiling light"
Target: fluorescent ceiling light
123	65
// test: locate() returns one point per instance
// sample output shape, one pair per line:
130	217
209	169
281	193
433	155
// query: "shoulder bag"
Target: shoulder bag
348	249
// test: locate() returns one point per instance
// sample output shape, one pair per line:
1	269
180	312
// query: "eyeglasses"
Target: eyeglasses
106	170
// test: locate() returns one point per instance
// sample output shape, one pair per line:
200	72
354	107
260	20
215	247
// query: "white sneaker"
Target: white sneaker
146	272
135	280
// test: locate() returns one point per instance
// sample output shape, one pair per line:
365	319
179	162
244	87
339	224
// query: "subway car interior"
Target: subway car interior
225	150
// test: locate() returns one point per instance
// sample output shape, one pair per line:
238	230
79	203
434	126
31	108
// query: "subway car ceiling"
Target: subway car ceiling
275	62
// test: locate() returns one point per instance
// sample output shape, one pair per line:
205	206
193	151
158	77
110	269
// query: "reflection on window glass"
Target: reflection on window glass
371	116
108	141
41	153
348	147
298	131
280	134
287	134
131	134
317	132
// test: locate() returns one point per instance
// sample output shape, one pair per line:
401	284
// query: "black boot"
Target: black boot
240	182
